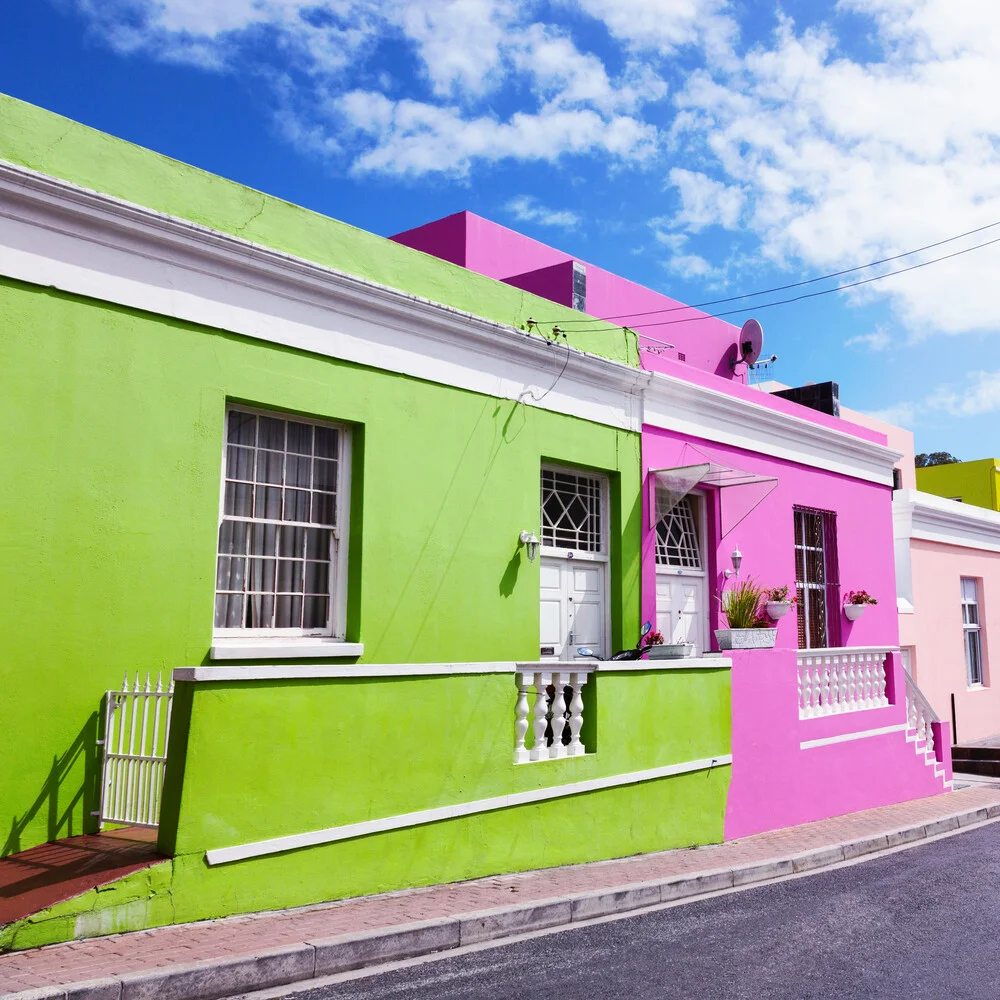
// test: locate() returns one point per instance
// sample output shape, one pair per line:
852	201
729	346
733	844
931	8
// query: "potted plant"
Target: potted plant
657	649
855	602
749	627
777	602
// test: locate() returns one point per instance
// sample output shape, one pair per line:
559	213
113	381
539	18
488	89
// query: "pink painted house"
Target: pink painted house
827	721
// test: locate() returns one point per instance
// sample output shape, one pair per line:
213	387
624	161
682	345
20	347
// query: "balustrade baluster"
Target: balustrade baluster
843	703
825	689
521	754
539	751
880	679
852	684
558	717
576	748
816	689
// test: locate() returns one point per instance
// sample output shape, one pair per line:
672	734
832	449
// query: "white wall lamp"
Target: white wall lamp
530	539
737	558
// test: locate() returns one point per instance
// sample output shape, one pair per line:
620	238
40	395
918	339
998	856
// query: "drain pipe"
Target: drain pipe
954	724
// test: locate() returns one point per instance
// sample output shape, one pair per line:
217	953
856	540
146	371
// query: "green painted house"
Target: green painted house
328	484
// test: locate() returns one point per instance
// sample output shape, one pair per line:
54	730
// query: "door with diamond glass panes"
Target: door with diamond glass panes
574	564
681	580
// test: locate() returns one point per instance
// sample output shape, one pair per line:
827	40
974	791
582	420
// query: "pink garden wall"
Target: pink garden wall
775	781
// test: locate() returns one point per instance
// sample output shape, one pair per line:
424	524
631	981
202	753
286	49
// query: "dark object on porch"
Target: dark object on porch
822	396
984	760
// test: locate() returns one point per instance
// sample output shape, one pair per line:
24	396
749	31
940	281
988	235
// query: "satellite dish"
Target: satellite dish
750	343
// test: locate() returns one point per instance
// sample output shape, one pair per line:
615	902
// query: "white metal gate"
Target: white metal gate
136	729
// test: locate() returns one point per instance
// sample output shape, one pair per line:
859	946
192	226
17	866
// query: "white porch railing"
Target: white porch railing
136	730
831	681
556	711
919	714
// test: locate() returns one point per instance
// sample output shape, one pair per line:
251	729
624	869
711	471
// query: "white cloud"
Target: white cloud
846	160
980	394
902	415
705	202
689	266
526	208
877	340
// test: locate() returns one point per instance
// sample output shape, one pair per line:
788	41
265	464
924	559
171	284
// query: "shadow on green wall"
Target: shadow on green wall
62	795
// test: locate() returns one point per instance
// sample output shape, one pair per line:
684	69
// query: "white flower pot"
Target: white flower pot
854	611
777	609
670	650
746	638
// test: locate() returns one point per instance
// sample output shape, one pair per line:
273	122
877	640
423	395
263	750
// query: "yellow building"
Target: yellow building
971	482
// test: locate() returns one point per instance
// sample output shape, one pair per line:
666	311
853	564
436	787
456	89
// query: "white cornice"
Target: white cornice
930	518
688	408
56	234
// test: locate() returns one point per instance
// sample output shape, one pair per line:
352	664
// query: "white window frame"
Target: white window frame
603	556
699	503
810	590
970	630
340	534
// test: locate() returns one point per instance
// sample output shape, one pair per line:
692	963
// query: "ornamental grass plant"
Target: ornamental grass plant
741	605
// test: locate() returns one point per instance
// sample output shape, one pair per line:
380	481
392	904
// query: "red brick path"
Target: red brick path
247	935
35	879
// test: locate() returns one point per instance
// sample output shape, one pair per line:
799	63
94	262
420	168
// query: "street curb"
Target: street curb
213	979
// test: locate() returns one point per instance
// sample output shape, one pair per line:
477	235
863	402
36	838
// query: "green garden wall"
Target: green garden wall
322	753
50	144
113	431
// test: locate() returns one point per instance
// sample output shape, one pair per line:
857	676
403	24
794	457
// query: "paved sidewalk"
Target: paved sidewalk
237	954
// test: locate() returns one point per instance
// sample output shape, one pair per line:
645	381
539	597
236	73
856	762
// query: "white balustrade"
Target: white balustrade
919	714
831	681
556	714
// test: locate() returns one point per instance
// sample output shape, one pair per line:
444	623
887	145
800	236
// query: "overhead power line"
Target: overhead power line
807	295
797	284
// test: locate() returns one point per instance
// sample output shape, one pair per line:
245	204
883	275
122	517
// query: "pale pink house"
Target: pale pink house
948	585
824	722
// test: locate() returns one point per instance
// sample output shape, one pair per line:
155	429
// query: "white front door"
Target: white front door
573	609
681	581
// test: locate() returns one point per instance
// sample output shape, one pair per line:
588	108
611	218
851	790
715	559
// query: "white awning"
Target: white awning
669	486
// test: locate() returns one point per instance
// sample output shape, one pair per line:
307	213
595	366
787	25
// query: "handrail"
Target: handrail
919	714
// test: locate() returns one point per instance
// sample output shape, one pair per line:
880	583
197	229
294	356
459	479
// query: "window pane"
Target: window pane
288	612
232	537
571	511
325	475
263	538
973	656
317	578
324	508
292	542
270	466
298	471
289	576
300	438
316	611
242	427
271	433
268	502
238	500
317	542
327	442
260	610
239	463
814	567
296	505
817	619
229	573
228	610
260	575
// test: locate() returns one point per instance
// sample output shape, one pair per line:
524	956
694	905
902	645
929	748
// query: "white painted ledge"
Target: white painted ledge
279	649
275	845
850	737
309	671
655	666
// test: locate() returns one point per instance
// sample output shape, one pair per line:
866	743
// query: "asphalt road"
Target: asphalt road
922	923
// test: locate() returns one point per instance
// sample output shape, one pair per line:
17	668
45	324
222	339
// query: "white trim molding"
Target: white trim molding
56	234
265	649
930	518
850	737
338	671
276	845
688	408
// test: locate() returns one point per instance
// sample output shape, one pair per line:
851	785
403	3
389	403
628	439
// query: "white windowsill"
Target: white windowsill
282	649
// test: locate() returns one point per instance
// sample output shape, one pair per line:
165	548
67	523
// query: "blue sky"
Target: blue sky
702	147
